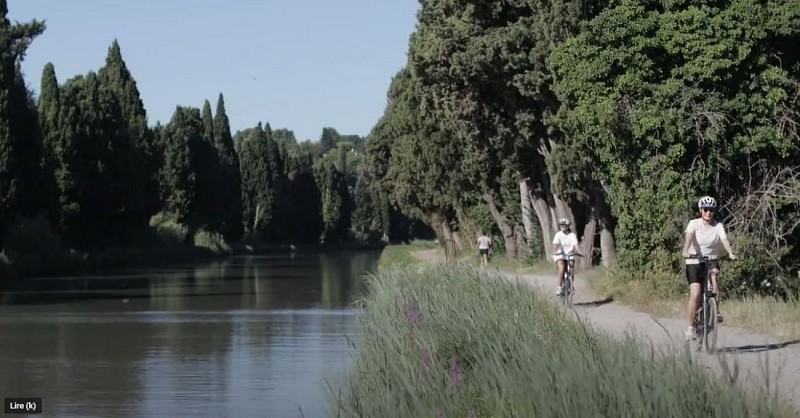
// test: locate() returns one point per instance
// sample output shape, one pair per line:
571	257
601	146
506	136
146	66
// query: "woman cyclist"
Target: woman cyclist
564	243
705	236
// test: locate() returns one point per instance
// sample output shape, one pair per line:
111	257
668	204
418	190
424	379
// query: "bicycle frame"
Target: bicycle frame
568	289
706	314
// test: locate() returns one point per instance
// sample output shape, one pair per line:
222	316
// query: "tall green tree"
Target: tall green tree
116	77
328	140
180	178
304	220
229	196
49	120
21	154
336	201
93	158
260	173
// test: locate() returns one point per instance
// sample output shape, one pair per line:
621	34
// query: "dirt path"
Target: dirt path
763	361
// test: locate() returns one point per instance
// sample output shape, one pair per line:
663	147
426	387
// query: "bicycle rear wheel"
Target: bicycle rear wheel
710	326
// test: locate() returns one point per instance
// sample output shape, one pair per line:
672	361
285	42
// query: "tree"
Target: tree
116	77
336	202
328	140
670	100
21	155
180	191
230	193
481	74
260	174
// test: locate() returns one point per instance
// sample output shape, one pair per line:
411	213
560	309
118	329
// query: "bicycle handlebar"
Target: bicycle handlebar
705	258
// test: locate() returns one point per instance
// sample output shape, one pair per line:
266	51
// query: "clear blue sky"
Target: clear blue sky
297	64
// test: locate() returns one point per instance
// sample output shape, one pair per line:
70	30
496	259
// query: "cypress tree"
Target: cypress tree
116	77
229	197
179	177
21	173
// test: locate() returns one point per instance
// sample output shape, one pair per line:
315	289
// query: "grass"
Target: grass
776	317
446	342
403	253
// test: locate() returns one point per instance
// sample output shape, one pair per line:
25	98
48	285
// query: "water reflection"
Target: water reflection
242	336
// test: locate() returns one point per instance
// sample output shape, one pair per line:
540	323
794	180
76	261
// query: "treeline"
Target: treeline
80	168
617	115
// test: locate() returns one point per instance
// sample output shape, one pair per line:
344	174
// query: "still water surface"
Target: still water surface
241	337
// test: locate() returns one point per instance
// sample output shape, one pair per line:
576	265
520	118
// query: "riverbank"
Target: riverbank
82	262
446	342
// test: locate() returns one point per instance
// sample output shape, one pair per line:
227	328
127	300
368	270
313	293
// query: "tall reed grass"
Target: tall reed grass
441	342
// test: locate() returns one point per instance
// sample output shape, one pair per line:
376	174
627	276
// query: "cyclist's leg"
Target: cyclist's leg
561	268
694	275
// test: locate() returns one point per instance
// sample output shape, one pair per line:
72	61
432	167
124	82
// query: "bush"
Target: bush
169	232
440	342
32	237
211	240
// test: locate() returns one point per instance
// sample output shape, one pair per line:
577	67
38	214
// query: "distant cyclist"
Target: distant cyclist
484	245
564	243
705	236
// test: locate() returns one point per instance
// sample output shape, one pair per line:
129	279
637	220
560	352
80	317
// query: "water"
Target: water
241	337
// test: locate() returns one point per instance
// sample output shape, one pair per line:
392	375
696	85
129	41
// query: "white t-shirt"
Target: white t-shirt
484	242
566	243
708	239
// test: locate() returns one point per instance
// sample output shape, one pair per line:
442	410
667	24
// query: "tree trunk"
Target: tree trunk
508	232
458	241
527	213
607	247
608	252
438	225
587	244
542	210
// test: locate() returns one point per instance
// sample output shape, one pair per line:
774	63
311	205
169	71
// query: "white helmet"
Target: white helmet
563	221
707	202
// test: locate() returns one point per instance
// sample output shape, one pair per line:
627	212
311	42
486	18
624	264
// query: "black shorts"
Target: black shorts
696	273
483	251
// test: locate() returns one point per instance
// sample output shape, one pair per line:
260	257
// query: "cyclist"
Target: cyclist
704	236
564	243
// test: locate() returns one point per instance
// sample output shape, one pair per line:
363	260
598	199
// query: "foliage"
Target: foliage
32	237
670	100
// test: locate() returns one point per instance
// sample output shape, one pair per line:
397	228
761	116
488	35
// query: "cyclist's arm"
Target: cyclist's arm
723	236
727	245
687	242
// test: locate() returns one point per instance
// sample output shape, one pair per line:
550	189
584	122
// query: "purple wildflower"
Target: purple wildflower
440	414
455	373
412	312
472	414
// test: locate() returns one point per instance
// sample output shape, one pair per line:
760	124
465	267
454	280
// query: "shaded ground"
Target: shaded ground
762	361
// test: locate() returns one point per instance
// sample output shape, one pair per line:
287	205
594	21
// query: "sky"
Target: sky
297	64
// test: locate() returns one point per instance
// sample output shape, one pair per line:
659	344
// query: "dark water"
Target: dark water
241	337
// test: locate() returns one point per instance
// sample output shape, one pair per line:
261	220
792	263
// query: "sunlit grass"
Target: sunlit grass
445	342
403	253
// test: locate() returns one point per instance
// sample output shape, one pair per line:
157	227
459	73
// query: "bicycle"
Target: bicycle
706	316
568	289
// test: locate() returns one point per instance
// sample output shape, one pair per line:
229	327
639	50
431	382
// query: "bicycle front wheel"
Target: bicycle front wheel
569	290
710	326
